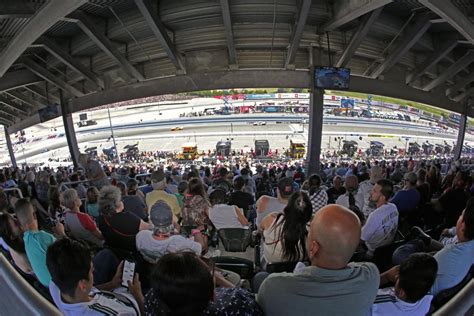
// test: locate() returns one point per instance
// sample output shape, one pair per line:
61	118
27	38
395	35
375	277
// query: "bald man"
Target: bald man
330	286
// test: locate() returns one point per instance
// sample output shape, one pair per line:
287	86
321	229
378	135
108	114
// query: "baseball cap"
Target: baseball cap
157	176
161	215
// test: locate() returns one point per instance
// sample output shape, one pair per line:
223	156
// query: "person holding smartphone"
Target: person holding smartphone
72	284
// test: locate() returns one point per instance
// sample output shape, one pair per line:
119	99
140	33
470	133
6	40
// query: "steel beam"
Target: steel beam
160	33
40	93
54	49
9	103
413	34
98	37
315	132
438	54
358	36
7	117
463	96
459	65
454	16
252	79
461	134
8	112
48	76
51	12
346	11
18	78
298	32
26	100
68	124
16	9
9	146
258	78
228	31
460	84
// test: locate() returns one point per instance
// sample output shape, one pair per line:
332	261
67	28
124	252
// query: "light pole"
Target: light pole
112	133
24	157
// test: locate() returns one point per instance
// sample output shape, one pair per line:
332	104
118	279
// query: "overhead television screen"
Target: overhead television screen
332	78
48	113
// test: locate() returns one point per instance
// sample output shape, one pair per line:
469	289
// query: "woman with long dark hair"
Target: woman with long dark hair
184	284
284	235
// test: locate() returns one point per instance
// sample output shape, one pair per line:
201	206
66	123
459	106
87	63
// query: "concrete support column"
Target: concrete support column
9	146
461	134
315	130
69	130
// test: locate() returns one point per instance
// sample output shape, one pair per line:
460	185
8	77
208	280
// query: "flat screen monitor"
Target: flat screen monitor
48	113
332	78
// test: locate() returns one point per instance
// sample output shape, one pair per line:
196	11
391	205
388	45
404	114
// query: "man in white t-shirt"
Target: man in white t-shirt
365	188
410	296
70	264
154	244
381	225
351	184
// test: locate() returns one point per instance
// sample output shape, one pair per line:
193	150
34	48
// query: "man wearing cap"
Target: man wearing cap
158	182
408	198
154	244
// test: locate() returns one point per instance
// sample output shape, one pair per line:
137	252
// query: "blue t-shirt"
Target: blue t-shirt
406	200
147	189
93	210
36	245
454	262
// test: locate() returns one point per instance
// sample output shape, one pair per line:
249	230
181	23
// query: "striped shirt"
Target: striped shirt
101	303
387	303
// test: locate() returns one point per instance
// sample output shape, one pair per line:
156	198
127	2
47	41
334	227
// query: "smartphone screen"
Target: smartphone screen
128	272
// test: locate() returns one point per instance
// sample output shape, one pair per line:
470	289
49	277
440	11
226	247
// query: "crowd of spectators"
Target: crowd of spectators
70	231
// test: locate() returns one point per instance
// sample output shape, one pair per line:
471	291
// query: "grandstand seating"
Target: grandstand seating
235	239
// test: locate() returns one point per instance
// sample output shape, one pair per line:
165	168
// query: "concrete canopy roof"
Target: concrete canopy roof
102	51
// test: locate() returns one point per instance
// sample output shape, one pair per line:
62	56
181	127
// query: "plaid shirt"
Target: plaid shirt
318	199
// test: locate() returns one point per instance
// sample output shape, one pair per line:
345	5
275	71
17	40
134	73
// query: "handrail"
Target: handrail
19	297
20	194
65	184
142	175
460	304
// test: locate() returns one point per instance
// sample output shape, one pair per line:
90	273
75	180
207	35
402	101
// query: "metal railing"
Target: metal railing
14	189
18	296
67	185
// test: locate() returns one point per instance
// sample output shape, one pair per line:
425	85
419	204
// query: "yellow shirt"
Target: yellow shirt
170	199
